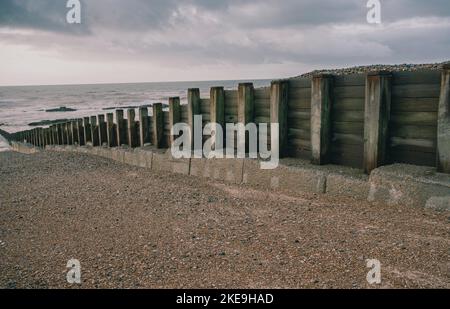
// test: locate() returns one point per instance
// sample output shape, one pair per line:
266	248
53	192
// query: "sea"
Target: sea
22	105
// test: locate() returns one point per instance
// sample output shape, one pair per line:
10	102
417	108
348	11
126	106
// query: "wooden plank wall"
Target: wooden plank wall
231	110
413	124
166	129
347	120
299	118
205	109
184	113
262	108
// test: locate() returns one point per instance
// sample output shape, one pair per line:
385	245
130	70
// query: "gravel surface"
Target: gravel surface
379	67
136	228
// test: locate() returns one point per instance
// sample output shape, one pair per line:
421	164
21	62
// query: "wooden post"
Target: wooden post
321	103
36	137
44	137
94	131
41	137
279	96
102	131
74	130
217	109
376	119
54	135
80	129
48	135
144	130
193	109
69	133
122	134
87	130
111	130
174	115
443	126
246	110
59	133
158	125
132	130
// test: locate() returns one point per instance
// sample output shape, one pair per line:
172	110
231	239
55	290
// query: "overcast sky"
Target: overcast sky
168	40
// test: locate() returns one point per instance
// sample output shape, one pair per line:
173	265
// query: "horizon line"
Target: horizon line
139	82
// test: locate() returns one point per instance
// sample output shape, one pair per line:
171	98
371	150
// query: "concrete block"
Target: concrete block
226	170
409	185
162	160
130	157
356	186
118	154
144	158
291	176
439	203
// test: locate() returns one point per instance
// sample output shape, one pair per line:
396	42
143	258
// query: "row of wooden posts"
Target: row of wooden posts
100	130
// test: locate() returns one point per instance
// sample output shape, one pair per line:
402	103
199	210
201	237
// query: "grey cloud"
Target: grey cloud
236	32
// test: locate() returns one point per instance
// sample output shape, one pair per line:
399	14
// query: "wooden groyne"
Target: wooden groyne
360	120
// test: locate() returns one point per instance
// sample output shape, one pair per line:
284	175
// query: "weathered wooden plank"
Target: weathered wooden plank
231	110
349	92
111	130
174	117
402	154
205	106
132	128
299	115
348	128
262	119
443	123
425	143
304	82
411	131
347	159
279	97
262	93
298	93
348	104
349	80
299	134
231	95
416	77
356	150
300	124
414	148
299	103
158	125
194	108
218	116
377	111
414	118
321	102
348	139
415	104
262	103
264	112
348	116
122	135
300	143
416	91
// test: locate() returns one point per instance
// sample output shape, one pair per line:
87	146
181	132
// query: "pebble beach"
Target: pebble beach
137	228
